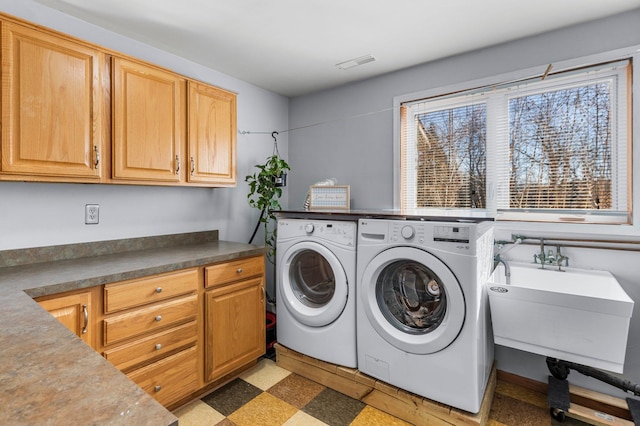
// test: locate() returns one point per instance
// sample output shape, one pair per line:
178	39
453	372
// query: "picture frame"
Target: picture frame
333	197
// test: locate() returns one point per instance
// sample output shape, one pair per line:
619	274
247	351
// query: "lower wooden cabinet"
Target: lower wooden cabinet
174	334
152	336
74	310
234	320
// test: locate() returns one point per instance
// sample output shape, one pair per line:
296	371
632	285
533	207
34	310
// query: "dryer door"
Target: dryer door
313	284
412	300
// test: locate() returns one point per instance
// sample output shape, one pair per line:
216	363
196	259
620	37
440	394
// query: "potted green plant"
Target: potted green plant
265	189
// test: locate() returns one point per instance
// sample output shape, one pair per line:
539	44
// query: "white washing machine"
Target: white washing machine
316	289
422	316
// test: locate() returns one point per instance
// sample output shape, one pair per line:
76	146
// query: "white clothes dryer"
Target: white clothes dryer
422	317
316	287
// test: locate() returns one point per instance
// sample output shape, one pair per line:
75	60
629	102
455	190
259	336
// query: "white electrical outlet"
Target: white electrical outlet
91	214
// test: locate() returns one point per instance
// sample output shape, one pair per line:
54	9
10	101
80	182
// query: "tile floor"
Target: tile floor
268	395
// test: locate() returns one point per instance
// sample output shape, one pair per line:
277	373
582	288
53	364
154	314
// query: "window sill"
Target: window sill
620	232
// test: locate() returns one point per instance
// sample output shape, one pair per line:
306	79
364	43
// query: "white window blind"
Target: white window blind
553	149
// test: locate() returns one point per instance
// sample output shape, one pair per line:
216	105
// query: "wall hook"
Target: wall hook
275	143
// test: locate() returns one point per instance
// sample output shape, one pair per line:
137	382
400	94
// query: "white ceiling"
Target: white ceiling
292	46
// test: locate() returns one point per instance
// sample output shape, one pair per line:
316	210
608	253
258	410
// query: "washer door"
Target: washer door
412	300
313	284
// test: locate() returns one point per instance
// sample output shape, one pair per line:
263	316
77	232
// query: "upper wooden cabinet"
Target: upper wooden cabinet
52	106
76	112
211	135
149	109
162	135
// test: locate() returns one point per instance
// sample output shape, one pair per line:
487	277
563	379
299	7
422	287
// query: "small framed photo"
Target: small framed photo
335	197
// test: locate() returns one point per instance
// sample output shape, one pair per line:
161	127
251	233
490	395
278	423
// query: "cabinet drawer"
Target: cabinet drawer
152	347
150	318
171	378
129	294
227	272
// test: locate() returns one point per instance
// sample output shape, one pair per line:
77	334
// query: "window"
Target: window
551	149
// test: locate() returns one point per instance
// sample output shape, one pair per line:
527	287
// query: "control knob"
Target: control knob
308	228
406	232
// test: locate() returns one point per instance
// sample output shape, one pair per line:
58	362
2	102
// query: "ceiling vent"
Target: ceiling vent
351	63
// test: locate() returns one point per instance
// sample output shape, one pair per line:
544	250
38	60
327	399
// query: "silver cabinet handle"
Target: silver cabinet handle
157	388
239	270
85	312
263	295
159	290
96	157
177	164
158	346
193	166
159	318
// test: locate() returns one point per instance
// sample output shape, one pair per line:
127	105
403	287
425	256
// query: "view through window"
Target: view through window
548	147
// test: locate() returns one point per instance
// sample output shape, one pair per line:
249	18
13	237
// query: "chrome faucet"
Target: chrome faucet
550	258
507	270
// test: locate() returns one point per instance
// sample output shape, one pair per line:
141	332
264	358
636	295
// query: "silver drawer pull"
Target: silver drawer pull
85	314
158	346
239	270
159	318
96	160
159	290
157	388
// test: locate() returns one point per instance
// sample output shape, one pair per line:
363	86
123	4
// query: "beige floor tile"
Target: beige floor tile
370	416
265	374
296	390
263	410
197	413
303	419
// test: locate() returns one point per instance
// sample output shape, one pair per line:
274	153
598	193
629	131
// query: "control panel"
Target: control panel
337	232
447	236
451	234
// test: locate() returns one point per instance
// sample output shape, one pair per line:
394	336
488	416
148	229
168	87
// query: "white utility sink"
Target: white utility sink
576	315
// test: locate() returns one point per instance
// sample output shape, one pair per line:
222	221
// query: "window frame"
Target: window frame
570	228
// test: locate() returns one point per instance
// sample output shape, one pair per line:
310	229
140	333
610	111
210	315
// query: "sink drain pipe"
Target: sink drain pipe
560	370
558	391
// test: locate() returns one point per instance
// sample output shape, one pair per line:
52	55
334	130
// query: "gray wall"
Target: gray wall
350	134
33	214
347	133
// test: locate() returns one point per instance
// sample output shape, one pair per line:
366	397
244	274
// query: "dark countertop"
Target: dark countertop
430	215
47	374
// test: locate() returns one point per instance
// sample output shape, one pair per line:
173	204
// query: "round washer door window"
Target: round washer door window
313	284
412	300
411	297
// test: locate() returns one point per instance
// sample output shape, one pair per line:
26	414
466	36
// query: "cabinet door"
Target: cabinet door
149	109
212	135
73	311
235	326
51	106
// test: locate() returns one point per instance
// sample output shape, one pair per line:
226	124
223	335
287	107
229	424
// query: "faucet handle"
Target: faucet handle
560	257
